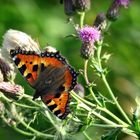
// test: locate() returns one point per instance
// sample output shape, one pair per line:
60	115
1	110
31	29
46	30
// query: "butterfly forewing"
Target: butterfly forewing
28	64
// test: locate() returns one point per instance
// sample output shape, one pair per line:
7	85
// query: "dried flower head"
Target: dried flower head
11	90
89	34
14	38
5	69
50	49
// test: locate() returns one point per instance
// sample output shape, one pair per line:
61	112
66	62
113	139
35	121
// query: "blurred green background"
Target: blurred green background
46	22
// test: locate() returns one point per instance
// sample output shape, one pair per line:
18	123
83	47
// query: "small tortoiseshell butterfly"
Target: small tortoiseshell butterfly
50	75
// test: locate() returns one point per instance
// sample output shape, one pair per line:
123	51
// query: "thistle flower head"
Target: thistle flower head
89	34
124	3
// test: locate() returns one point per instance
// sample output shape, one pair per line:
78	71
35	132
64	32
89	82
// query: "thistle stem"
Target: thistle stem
88	138
107	85
40	106
78	98
113	116
16	129
85	72
98	115
91	110
94	97
82	16
37	133
114	99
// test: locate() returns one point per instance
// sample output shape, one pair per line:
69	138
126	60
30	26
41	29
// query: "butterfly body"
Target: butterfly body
50	75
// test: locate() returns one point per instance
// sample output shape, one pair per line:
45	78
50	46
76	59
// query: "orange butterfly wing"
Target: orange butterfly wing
28	63
40	71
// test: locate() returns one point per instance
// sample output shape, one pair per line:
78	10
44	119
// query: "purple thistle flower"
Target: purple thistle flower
124	3
89	34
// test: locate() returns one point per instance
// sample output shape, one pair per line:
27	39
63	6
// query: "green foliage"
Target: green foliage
46	22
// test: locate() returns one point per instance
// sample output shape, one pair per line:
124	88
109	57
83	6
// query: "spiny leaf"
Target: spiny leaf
112	135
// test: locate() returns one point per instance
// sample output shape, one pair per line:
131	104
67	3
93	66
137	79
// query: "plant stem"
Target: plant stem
107	85
17	104
46	113
85	72
37	133
22	132
94	97
16	129
113	116
82	16
105	125
98	115
114	99
88	138
89	109
99	108
78	98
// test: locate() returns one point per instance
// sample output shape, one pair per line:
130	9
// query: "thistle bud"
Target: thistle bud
114	9
87	50
100	21
82	5
69	7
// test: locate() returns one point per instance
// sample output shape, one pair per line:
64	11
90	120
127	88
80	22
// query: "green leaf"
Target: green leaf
112	135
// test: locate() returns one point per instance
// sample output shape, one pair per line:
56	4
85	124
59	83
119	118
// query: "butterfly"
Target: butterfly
50	75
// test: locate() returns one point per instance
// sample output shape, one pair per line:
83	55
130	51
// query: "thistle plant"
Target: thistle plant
89	106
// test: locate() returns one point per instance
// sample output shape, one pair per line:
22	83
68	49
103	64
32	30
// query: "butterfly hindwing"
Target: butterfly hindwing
61	86
58	104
